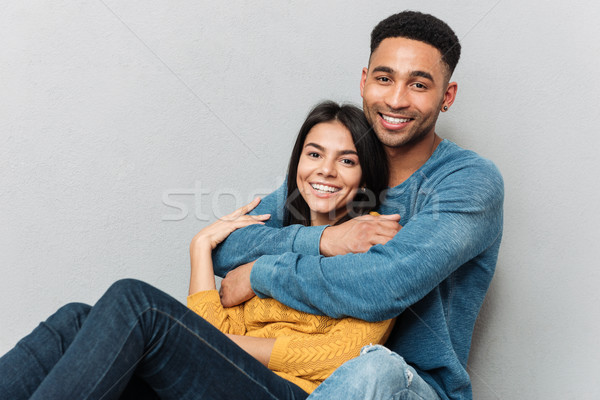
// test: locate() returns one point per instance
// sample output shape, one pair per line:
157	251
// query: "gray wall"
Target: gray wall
110	111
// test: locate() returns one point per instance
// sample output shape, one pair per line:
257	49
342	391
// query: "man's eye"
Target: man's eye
383	79
420	86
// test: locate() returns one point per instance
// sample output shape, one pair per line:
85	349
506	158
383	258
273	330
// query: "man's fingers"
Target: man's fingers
374	216
379	227
388	229
391	217
380	239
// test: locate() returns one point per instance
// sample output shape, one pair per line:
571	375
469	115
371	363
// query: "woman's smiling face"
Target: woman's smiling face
329	173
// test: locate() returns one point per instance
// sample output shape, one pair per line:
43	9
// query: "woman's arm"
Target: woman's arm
202	276
259	348
201	264
203	299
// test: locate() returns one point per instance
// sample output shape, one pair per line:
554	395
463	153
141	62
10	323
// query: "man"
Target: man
433	273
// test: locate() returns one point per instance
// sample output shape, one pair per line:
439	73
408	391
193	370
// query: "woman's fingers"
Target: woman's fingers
229	225
243	210
246	220
218	231
252	205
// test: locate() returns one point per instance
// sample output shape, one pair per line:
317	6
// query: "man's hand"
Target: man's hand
235	287
359	234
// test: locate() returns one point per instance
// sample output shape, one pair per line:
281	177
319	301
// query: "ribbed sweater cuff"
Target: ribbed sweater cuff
276	362
202	297
307	240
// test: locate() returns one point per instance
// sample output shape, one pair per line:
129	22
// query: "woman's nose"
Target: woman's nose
327	168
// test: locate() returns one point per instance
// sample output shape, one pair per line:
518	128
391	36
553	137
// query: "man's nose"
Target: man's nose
397	97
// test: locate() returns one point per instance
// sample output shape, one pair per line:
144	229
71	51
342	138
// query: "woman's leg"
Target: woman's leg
24	367
137	328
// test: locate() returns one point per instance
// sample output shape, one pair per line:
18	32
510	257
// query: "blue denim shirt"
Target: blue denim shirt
433	274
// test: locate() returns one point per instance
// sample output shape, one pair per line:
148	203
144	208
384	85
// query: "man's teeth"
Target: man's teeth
323	188
393	120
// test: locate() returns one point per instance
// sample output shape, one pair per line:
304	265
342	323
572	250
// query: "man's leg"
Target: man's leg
377	374
135	328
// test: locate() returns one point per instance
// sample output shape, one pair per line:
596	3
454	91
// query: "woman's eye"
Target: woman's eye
348	161
313	154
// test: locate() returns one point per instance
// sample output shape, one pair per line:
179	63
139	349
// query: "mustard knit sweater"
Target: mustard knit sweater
308	348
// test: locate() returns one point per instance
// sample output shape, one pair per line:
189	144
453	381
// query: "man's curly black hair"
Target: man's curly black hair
422	27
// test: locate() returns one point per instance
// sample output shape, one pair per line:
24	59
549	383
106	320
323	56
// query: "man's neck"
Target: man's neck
405	160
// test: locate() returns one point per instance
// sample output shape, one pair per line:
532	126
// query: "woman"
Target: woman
136	333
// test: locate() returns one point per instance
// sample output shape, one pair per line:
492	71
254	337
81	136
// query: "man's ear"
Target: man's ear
363	79
450	94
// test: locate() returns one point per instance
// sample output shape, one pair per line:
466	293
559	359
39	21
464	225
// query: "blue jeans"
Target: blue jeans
134	337
377	374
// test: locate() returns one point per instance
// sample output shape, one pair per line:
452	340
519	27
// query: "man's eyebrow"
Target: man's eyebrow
422	74
413	74
383	68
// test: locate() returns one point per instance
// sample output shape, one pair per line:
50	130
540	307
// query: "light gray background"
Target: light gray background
108	109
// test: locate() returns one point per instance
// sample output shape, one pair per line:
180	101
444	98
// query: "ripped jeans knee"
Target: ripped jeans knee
380	358
377	373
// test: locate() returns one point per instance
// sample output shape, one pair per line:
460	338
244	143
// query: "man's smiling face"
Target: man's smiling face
403	90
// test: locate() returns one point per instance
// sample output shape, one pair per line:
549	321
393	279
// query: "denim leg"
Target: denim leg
377	374
24	367
135	328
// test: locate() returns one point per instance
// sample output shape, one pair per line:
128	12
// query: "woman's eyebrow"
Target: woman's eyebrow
318	146
321	148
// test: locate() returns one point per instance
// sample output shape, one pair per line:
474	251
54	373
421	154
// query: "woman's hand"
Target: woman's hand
202	274
235	287
218	231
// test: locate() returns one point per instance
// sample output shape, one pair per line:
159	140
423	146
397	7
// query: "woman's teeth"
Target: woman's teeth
323	188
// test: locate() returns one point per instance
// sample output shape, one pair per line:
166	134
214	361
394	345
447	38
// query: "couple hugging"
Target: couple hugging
383	234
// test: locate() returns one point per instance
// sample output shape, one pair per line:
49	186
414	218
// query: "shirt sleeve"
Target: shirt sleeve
457	222
314	356
249	243
207	304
